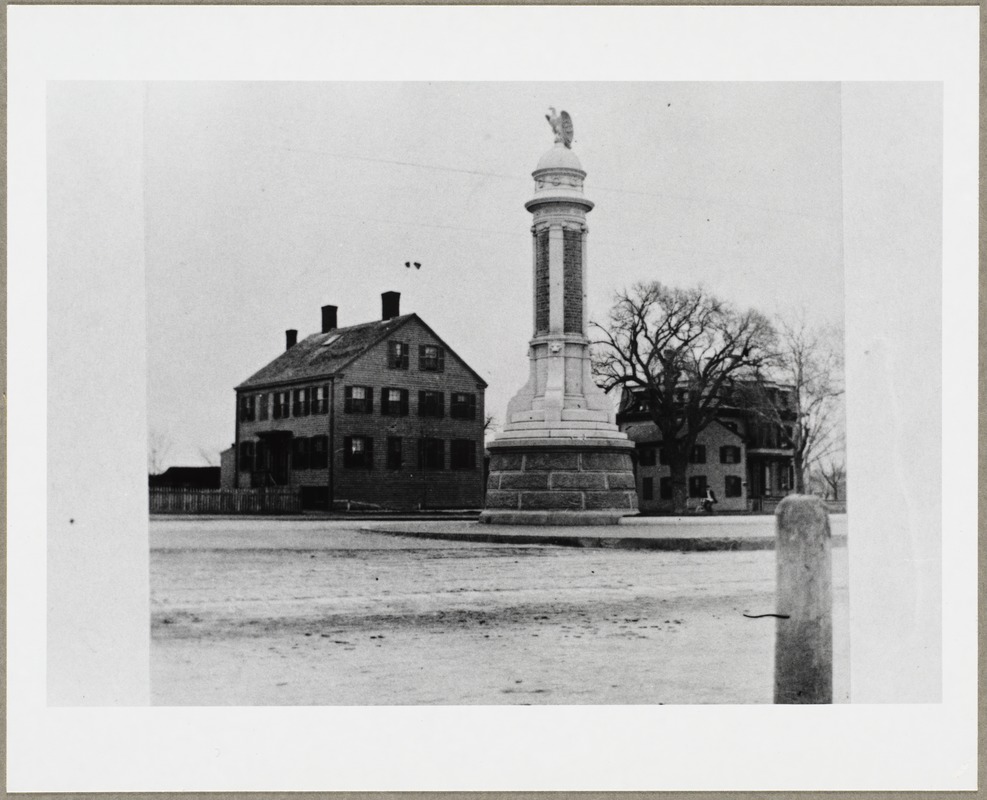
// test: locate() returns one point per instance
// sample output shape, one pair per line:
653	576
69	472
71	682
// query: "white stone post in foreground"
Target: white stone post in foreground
804	641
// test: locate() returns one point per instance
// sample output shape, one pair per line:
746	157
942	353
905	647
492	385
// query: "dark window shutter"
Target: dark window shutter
404	402
421	404
472	406
368	452
421	356
441	359
440	402
369	407
348	398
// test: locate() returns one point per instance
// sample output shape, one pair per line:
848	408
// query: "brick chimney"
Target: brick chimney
390	305
328	319
290	338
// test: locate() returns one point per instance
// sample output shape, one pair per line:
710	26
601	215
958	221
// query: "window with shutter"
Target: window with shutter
698	454
647	456
431	404
397	355
697	486
358	452
263	409
394	454
282	401
431	454
462	405
299	453
246	456
358	400
729	454
648	489
320	399
734	486
431	358
394	402
318	452
462	454
665	488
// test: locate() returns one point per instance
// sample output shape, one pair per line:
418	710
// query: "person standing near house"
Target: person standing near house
709	500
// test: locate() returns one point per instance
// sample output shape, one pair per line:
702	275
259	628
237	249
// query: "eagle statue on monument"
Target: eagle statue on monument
561	125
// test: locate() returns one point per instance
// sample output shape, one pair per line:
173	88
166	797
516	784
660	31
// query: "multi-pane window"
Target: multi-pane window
665	488
697	486
648	489
246	456
647	456
431	404
299	453
663	456
281	405
784	478
358	452
462	405
734	486
318	452
394	402
395	456
358	400
247	408
729	454
431	358
431	453
397	355
462	454
320	399
698	454
263	406
299	408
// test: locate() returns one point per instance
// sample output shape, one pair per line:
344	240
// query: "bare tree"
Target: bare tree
490	424
159	447
681	352
802	398
833	475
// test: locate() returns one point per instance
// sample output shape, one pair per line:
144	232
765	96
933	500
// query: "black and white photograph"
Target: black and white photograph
495	459
374	396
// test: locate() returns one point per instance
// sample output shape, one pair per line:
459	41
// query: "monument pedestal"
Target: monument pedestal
560	482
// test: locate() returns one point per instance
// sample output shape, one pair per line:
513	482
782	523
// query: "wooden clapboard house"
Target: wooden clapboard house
383	414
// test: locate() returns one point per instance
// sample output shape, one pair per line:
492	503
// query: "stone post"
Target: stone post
804	639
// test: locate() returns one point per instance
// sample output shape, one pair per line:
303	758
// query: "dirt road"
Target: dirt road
314	613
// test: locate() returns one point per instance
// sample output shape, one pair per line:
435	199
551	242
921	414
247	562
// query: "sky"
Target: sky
265	201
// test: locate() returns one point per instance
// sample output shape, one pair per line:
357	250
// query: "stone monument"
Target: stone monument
560	459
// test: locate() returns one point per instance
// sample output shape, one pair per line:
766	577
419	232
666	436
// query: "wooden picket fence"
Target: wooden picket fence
277	500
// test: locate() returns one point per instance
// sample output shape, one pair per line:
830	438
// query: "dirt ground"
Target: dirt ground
257	612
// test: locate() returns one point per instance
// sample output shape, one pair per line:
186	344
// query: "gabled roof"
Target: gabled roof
323	354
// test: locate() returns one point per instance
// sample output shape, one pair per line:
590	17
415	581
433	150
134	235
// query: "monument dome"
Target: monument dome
559	157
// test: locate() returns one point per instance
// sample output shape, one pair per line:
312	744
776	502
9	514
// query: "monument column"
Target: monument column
560	459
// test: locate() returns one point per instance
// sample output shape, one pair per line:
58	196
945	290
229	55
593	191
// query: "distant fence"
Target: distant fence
279	500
